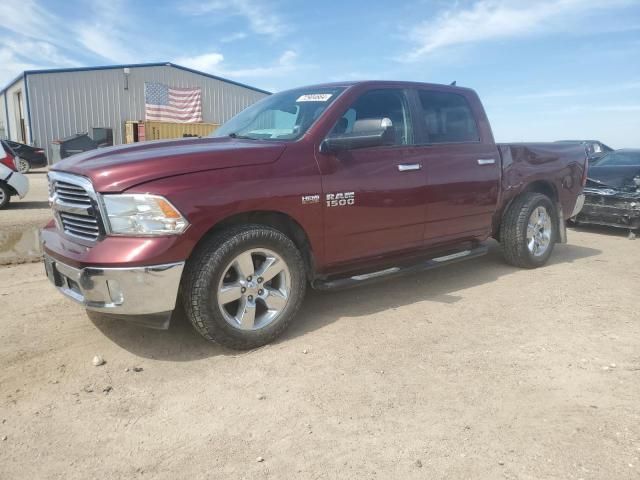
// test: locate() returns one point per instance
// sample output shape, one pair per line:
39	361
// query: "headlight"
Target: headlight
141	214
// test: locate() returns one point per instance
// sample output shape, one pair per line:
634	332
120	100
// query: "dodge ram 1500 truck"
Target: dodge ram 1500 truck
330	186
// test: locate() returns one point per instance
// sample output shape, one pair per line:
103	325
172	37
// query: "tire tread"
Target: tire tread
513	239
208	257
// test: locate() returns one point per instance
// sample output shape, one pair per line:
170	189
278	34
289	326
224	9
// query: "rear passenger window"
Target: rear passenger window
448	118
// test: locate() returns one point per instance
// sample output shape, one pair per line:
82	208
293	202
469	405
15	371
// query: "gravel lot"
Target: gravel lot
19	223
476	370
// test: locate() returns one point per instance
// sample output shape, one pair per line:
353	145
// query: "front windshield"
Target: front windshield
282	116
620	159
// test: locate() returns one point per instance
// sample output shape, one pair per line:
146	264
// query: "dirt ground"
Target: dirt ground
476	370
20	221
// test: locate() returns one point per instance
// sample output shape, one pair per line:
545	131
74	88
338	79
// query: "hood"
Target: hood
116	169
614	176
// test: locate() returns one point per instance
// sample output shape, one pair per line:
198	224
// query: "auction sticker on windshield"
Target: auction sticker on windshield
314	97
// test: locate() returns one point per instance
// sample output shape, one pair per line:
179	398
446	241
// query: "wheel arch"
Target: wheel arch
9	187
270	218
543	187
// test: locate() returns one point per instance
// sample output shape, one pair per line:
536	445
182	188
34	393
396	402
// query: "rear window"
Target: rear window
448	118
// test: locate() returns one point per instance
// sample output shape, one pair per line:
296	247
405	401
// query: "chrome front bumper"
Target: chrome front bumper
137	291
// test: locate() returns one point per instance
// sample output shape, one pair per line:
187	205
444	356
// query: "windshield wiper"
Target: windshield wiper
242	137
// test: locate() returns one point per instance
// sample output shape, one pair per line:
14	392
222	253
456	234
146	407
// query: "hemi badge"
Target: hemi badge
308	199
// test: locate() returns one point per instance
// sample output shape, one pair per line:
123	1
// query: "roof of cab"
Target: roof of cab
382	83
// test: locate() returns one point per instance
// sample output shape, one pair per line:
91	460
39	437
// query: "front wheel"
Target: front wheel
242	288
528	231
23	165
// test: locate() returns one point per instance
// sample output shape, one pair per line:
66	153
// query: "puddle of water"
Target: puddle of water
19	247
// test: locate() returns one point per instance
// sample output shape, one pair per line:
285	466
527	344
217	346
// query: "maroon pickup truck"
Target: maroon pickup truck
330	185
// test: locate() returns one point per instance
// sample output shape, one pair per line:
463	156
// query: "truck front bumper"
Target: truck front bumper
145	295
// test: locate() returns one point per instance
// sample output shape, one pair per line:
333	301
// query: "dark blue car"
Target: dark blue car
28	157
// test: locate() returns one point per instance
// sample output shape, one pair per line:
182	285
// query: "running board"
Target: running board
397	271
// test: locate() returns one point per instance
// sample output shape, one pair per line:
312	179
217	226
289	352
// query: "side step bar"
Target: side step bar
397	271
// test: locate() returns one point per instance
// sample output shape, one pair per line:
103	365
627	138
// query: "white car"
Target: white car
12	182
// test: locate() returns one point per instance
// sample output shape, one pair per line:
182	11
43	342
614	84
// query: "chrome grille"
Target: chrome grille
80	224
71	194
75	206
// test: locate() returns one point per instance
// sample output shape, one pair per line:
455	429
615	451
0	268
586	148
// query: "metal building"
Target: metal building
43	105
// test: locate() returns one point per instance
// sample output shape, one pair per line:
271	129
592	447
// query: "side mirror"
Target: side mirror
373	132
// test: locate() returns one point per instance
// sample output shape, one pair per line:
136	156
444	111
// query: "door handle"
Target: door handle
486	161
408	167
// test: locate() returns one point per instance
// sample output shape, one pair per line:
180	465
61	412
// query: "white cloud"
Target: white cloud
285	64
108	32
208	62
27	19
35	37
27	40
105	42
234	37
260	17
495	19
213	62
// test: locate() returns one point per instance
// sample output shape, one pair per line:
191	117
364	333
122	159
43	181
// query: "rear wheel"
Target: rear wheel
23	165
242	288
528	231
5	195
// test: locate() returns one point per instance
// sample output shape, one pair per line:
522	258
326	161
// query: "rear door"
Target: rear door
374	197
461	164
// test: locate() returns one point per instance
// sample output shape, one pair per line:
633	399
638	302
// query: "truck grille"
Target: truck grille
74	204
80	225
71	194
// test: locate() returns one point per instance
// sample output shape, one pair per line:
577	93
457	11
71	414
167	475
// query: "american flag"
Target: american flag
167	104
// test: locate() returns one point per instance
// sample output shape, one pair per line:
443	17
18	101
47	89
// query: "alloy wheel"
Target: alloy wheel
254	289
539	231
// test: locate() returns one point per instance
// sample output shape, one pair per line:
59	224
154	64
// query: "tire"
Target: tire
5	196
219	267
521	231
23	165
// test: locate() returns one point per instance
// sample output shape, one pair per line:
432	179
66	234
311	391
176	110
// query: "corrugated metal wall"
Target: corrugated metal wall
3	119
65	103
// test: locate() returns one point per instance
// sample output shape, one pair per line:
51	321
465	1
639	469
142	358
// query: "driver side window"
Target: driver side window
376	105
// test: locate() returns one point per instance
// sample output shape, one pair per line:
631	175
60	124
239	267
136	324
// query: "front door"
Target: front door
374	197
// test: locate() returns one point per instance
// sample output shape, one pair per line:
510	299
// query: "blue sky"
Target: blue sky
545	70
